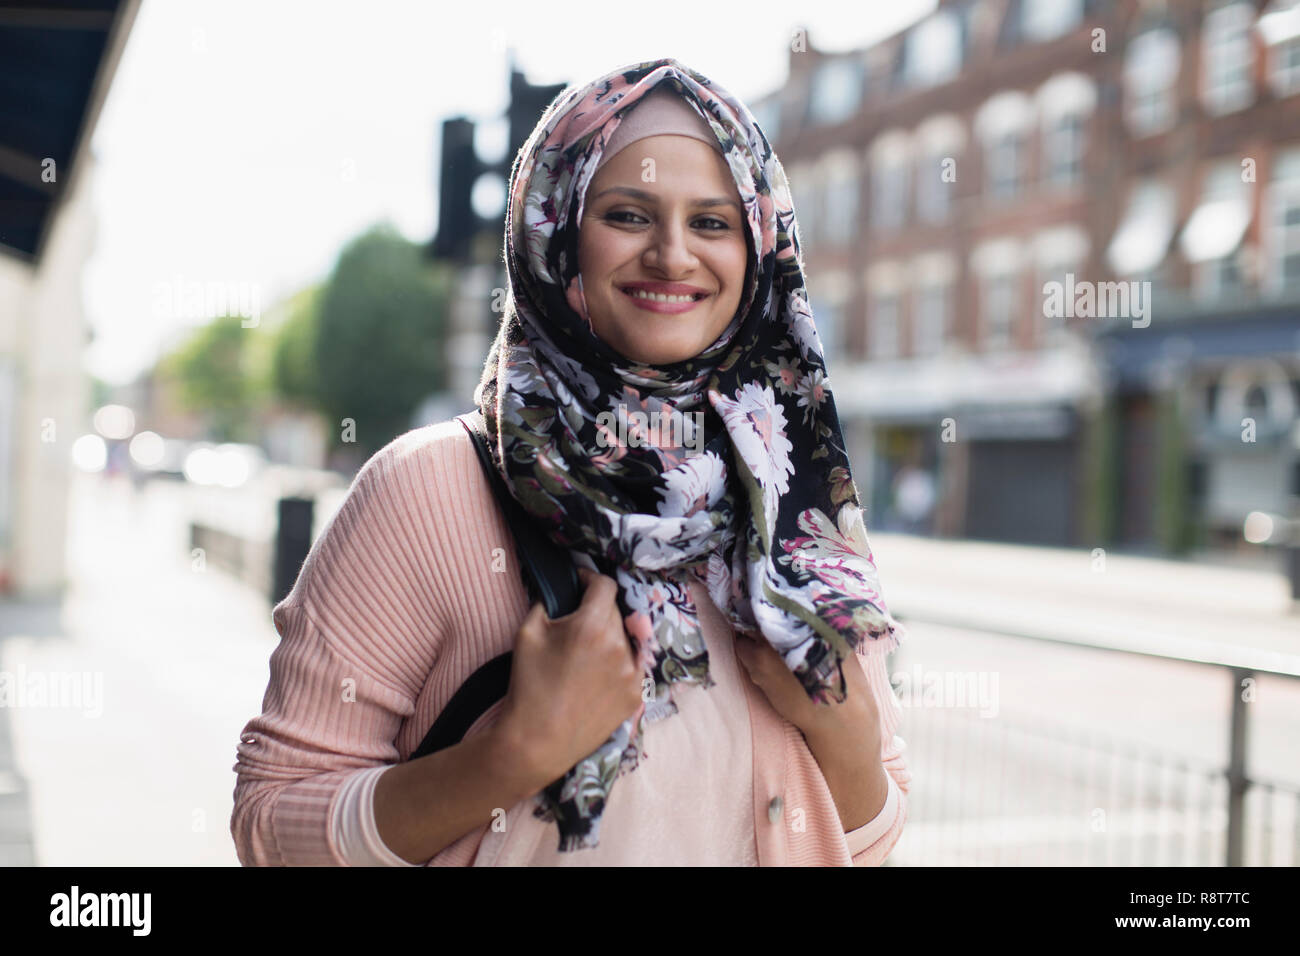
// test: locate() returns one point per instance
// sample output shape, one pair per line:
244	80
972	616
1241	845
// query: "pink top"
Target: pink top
397	603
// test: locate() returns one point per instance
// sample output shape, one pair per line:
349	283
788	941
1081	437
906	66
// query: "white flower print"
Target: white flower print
698	482
653	543
757	425
812	392
836	554
802	328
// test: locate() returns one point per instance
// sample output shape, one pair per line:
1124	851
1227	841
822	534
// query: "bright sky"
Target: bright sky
244	142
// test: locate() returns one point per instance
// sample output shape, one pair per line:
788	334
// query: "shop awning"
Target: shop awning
1134	354
1280	23
56	60
1142	238
1217	226
1215	229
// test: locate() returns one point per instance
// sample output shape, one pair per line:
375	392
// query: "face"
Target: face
684	234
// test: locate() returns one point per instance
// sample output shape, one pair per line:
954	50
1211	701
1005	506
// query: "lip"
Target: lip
664	288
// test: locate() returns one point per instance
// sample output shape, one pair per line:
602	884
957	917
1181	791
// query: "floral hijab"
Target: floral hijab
761	508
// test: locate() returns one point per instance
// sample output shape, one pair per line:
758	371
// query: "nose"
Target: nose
669	249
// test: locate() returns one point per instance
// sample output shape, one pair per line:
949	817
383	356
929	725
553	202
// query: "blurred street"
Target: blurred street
183	656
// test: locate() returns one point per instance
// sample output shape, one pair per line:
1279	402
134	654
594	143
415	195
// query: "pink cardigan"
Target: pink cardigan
397	603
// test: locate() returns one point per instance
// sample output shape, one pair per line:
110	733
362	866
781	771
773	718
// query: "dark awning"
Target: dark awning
1134	354
56	60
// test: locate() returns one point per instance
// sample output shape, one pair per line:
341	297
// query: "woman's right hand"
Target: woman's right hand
573	680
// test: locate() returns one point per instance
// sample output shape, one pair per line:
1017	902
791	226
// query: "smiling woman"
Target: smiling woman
662	249
730	643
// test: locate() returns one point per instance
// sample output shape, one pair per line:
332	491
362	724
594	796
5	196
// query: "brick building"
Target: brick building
947	174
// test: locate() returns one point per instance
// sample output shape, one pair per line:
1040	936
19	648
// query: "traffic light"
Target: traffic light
460	168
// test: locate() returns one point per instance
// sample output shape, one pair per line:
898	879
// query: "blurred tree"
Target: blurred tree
379	340
211	373
293	371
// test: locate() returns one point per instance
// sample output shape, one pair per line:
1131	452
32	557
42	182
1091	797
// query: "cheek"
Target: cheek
733	266
729	266
602	256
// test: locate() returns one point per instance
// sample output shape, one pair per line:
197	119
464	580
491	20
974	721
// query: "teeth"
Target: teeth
657	297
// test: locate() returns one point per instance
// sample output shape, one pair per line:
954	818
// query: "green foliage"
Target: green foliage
211	371
293	369
379	341
368	345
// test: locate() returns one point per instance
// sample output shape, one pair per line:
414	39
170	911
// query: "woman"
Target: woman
657	397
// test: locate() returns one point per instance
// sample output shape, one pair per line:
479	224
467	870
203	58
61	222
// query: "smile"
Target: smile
658	302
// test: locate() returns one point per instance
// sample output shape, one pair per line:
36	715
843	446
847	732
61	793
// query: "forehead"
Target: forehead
676	161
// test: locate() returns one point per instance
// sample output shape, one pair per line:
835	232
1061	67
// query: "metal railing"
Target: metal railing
1029	790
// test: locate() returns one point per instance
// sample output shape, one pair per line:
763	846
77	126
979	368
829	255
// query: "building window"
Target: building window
1150	75
840	175
933	191
1285	72
1280	29
1052	328
1065	102
933	301
826	316
836	91
885	320
889	195
1290	262
1059	253
1004	161
806	196
938	142
1047	19
1283	208
1000	310
1002	125
1229	58
1212	237
1219	277
933	51
1063	147
829	296
768	117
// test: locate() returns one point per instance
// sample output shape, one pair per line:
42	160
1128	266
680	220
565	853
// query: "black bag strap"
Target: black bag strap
550	576
547	568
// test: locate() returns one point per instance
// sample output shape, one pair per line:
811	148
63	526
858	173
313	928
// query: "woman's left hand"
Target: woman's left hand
831	721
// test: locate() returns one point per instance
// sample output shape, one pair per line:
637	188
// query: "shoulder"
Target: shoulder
413	479
440	447
405	504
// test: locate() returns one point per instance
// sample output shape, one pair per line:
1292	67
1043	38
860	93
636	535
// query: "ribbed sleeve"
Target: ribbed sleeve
892	747
322	720
359	635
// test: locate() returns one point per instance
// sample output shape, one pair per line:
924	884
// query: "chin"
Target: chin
658	354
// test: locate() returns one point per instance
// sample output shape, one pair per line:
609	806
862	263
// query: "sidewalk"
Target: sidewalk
141	776
18	618
1196	609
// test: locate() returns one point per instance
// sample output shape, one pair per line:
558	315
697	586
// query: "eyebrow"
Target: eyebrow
652	198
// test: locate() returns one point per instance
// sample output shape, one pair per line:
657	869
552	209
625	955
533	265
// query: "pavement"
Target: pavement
137	772
1215	612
